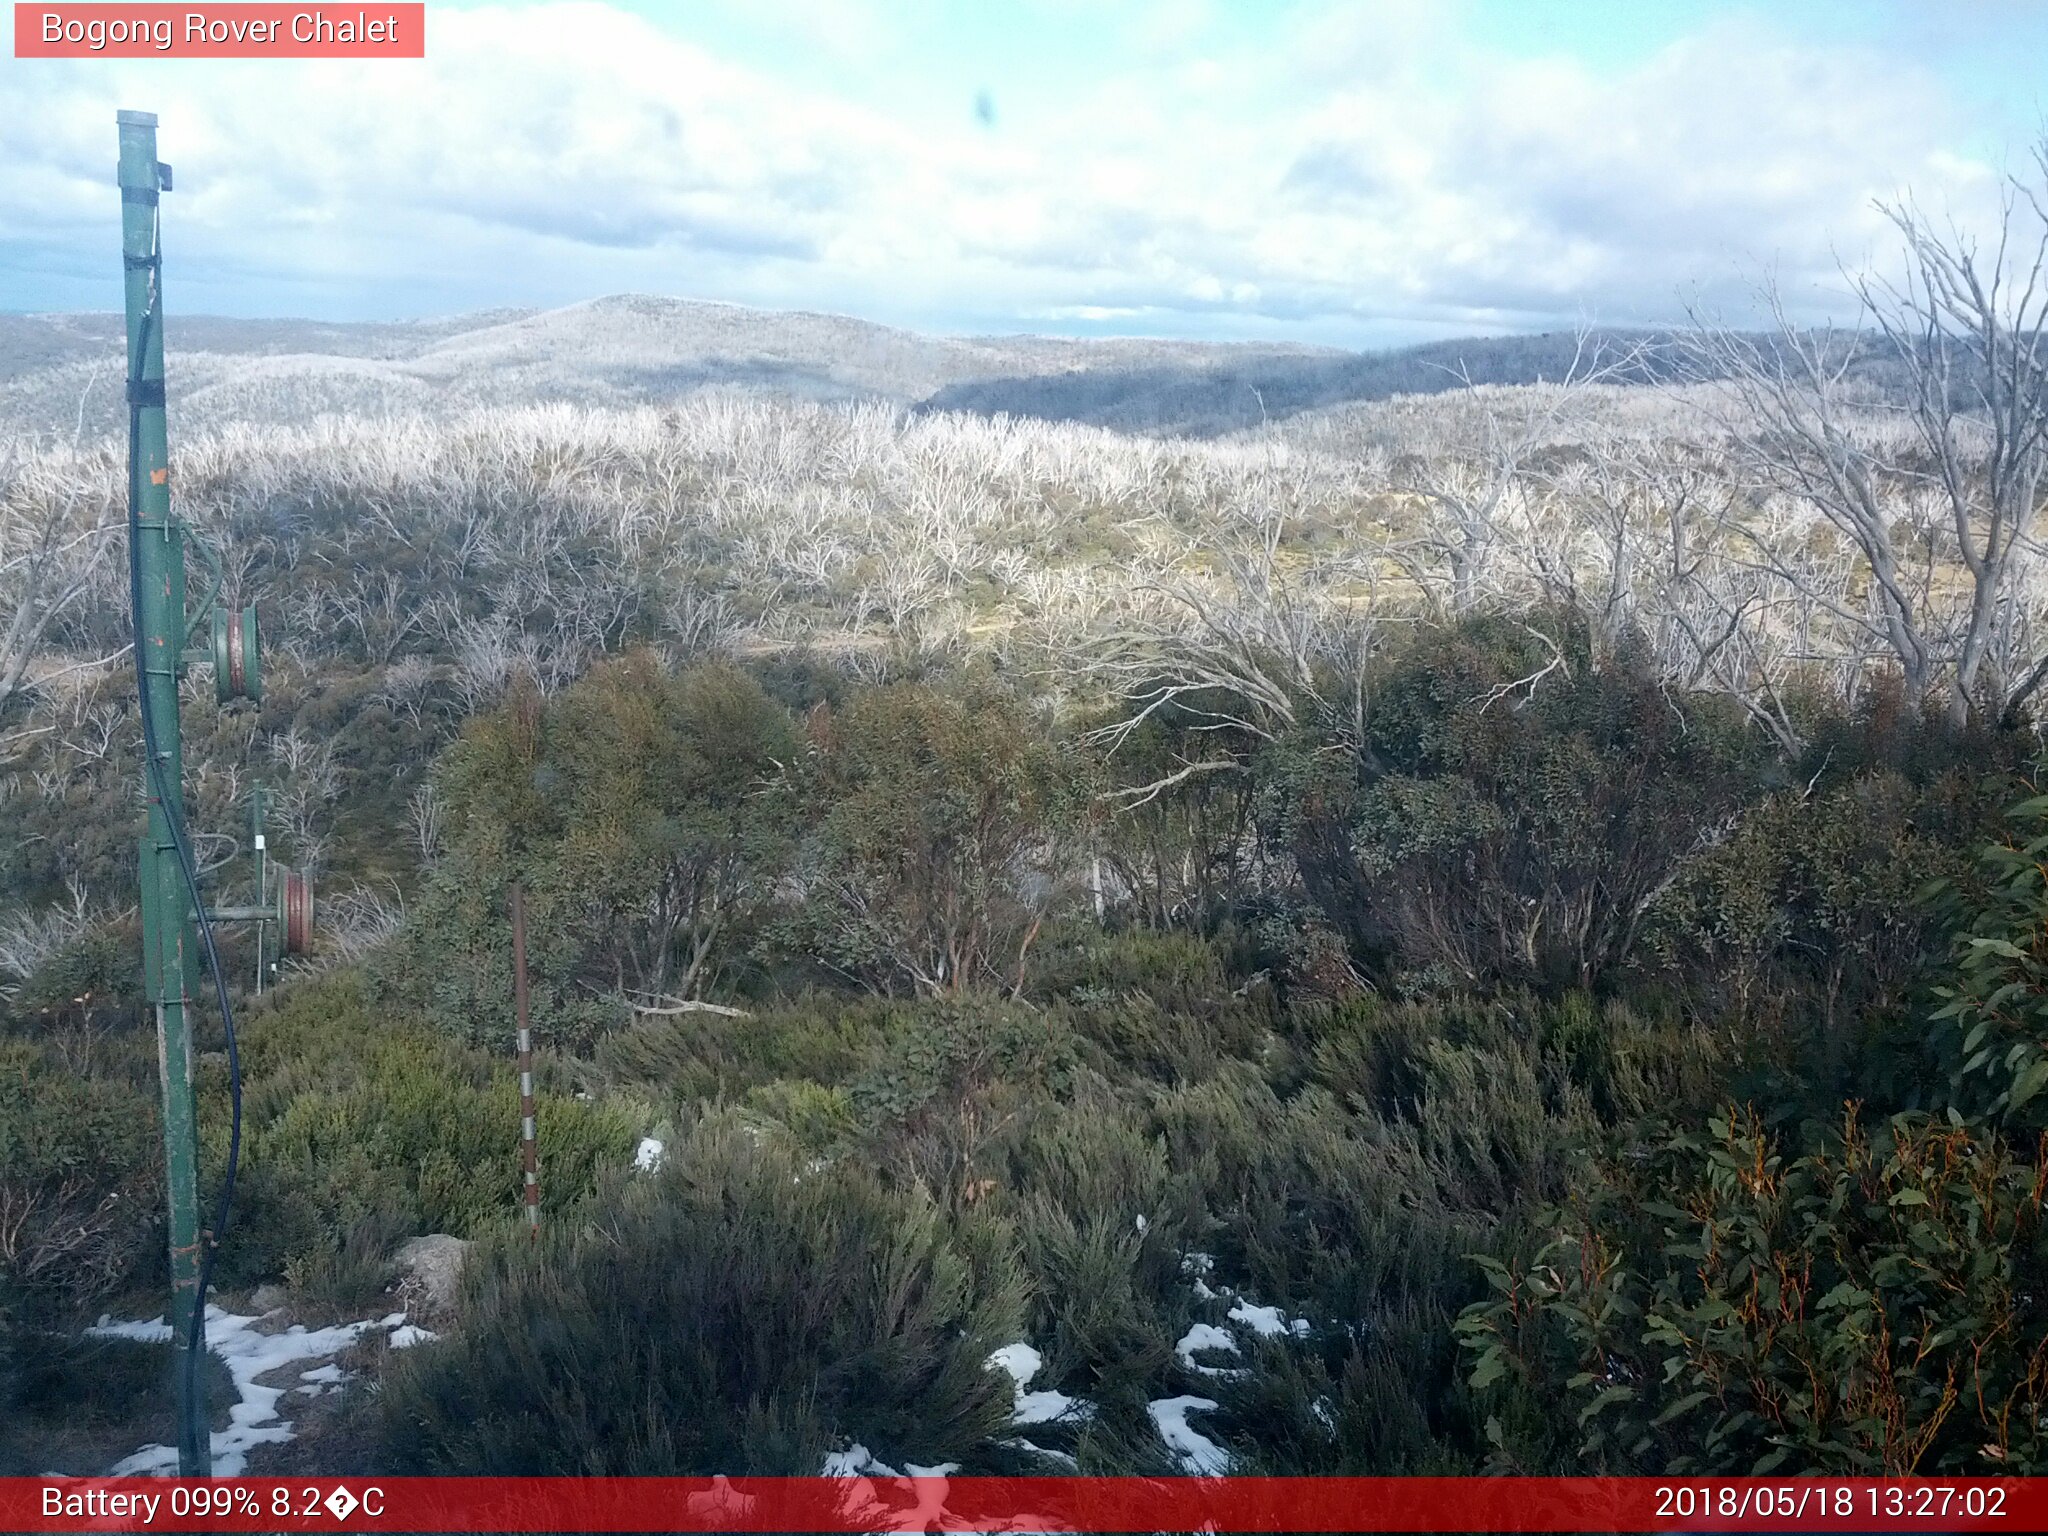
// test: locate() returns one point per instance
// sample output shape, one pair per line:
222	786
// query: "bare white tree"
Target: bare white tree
29	939
429	817
1471	470
355	921
407	687
484	661
1254	653
1921	437
381	612
57	538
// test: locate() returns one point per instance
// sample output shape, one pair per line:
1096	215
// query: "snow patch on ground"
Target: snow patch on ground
1197	1452
1200	1337
1022	1362
856	1461
648	1156
1267	1322
323	1379
1049	1408
247	1354
861	1505
411	1334
1021	1444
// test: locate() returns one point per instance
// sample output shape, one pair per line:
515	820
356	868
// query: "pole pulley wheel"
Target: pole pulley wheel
237	669
295	911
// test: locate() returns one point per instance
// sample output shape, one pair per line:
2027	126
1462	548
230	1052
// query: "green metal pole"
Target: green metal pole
168	952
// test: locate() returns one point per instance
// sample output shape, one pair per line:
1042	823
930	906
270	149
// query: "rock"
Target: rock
430	1274
268	1298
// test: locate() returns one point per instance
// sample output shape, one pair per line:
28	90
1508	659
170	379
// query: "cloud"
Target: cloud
1368	164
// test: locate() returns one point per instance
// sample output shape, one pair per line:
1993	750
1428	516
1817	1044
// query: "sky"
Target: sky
1354	173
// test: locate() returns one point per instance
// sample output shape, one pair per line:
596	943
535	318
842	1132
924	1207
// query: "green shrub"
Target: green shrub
1102	1225
1180	855
1805	924
1081	962
642	811
80	1182
1992	1027
709	1056
359	1131
345	1277
77	1403
933	1054
818	1120
1877	1305
733	1313
1348	1405
1161	1005
1514	806
98	974
944	828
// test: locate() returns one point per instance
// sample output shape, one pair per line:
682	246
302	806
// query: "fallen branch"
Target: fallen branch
667	1007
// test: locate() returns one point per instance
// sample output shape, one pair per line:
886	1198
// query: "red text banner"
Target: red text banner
262	31
1080	1504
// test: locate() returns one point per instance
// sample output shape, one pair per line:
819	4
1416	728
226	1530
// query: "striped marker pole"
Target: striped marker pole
529	1145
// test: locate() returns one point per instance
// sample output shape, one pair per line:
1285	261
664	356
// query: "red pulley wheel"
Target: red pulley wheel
295	901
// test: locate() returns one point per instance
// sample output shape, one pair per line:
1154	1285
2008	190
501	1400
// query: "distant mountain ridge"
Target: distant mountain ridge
634	348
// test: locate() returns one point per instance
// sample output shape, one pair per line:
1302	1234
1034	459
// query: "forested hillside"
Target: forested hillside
1499	929
58	373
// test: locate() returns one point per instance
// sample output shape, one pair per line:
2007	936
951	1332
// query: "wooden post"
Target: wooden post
529	1146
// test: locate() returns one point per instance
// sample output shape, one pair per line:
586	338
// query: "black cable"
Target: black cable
174	821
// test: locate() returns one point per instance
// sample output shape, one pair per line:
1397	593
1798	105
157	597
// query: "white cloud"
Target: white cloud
1374	165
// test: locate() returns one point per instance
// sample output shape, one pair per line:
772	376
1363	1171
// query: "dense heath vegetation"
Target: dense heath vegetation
1502	931
1582	1047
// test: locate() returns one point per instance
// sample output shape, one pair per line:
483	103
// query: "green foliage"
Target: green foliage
1156	1004
1807	921
346	1276
945	819
1351	1008
1182	855
711	1056
360	1132
1993	1020
1855	1303
735	1313
1103	1223
1514	806
939	1053
77	1403
641	811
95	976
816	1119
1082	963
1873	1306
80	1187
